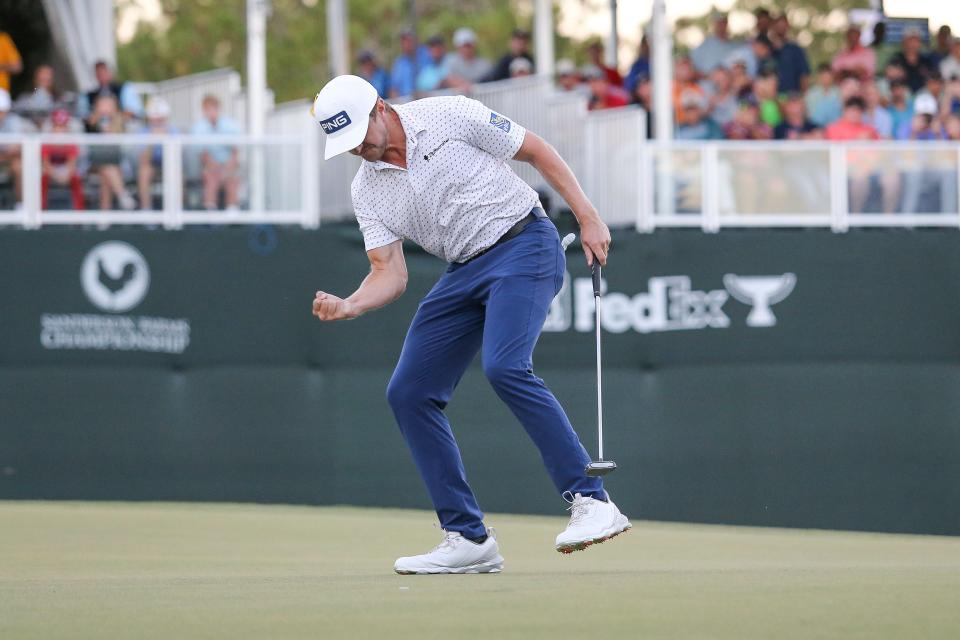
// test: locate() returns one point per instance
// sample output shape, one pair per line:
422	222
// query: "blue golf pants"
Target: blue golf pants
496	304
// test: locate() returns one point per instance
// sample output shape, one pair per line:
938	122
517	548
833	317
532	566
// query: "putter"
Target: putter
599	467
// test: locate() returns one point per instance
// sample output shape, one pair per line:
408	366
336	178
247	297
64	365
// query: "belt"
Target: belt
511	233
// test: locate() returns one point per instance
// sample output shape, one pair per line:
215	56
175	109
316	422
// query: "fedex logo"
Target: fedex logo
335	122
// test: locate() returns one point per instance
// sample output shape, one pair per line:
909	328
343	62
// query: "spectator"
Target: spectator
697	124
373	73
568	79
740	83
10	154
10	63
640	67
883	51
925	124
403	73
951	127
220	163
519	48
950	65
746	125
721	99
900	109
466	68
126	97
765	90
796	125
764	22
150	160
916	64
432	76
823	99
933	88
520	68
943	43
757	56
922	172
891	73
642	97
105	158
851	126
855	57
683	80
951	98
793	69
40	103
602	94
717	47
874	114
59	164
595	57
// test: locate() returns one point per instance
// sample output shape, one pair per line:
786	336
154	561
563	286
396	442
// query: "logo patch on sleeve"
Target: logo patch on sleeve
335	122
499	122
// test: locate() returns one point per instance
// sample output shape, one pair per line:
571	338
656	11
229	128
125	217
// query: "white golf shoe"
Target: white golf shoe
455	554
591	522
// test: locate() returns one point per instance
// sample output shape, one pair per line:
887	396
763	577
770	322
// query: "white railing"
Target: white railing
633	182
179	186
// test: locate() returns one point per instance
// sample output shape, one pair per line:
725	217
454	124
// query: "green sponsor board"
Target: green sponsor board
797	378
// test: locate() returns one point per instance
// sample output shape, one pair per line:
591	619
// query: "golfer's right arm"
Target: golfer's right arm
385	283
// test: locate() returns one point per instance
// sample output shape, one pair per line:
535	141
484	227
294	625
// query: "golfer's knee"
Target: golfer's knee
502	373
404	392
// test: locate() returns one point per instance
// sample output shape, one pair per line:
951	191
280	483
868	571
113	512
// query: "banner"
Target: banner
777	377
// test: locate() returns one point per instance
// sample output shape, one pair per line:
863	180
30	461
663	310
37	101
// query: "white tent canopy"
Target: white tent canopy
85	29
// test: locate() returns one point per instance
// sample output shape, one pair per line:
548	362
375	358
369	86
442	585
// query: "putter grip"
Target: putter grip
596	277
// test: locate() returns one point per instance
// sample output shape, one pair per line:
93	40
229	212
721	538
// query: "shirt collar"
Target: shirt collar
412	127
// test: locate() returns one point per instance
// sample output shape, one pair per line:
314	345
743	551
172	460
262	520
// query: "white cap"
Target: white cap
566	67
925	104
158	108
4	100
464	35
342	109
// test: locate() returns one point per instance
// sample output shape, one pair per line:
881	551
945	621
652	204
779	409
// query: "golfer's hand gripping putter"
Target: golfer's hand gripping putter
599	467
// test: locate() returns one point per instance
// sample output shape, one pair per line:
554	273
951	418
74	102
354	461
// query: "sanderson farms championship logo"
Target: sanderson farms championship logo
115	278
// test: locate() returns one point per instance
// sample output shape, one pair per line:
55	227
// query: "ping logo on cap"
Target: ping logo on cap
335	122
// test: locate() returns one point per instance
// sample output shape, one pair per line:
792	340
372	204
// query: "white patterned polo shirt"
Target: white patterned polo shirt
457	195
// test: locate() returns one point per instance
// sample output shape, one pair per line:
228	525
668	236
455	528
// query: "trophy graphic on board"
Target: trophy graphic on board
760	292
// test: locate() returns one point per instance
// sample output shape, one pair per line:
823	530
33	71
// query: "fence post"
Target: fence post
30	162
710	203
172	183
839	205
309	191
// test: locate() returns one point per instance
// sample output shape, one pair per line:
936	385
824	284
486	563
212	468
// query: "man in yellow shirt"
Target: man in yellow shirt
10	62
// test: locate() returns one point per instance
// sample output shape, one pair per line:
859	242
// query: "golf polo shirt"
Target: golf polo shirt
458	195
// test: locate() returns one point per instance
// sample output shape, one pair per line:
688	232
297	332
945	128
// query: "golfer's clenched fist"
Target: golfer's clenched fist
327	306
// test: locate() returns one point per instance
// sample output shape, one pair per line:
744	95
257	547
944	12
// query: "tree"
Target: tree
198	35
816	24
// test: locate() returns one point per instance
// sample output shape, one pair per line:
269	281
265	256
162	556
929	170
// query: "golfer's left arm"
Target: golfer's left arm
594	234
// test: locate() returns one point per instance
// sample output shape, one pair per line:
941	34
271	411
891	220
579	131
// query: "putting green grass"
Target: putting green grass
121	570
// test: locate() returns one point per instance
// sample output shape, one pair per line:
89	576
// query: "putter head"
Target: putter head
601	468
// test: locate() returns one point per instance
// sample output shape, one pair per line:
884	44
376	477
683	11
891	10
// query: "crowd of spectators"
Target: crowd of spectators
104	176
758	88
763	87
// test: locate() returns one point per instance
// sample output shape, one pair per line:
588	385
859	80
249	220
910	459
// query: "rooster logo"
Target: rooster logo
115	276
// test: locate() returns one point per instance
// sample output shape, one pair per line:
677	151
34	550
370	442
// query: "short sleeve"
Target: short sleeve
485	128
375	232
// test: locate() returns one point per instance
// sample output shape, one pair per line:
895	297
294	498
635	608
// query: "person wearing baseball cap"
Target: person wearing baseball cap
465	67
519	48
435	171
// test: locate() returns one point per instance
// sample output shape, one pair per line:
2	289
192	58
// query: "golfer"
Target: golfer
435	171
